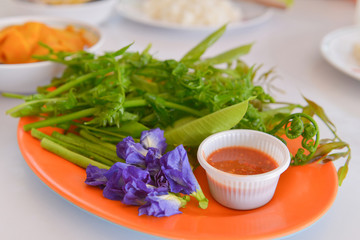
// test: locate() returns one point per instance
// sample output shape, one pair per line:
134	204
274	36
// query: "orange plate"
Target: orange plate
303	195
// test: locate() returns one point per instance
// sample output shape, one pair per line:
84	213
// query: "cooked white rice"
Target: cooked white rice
192	12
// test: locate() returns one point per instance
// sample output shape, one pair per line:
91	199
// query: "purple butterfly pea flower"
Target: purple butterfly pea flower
176	167
128	184
95	176
147	177
133	153
162	205
145	154
154	138
177	170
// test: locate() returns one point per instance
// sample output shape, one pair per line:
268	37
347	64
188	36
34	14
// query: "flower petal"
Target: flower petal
160	205
176	167
114	187
154	138
95	176
161	181
136	192
152	161
131	152
127	183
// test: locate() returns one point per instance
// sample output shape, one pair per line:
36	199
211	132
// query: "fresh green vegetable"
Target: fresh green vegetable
83	151
193	132
122	93
69	155
83	143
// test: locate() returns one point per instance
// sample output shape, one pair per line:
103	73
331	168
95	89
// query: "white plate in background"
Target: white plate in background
252	14
337	48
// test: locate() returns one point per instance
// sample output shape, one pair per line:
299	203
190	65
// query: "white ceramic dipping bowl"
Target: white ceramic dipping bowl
26	77
243	192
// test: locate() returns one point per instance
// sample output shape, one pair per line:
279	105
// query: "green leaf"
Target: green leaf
119	52
325	149
319	111
228	56
195	53
342	172
335	156
192	133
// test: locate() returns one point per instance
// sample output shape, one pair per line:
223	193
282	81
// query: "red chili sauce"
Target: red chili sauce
242	160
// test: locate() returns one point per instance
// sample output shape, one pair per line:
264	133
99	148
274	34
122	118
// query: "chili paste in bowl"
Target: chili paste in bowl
243	167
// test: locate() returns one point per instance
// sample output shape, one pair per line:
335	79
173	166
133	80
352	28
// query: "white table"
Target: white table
289	41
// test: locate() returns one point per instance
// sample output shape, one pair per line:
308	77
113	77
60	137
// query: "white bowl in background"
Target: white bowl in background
94	12
26	77
243	192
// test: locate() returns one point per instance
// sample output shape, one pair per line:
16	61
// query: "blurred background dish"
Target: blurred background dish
60	1
25	77
192	12
93	12
245	14
340	48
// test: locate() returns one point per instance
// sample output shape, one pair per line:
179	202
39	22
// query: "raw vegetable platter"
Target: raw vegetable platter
311	188
123	93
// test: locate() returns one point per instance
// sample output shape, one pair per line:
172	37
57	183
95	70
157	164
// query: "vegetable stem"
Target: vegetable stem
13	110
120	136
71	156
317	139
13	95
135	103
85	134
89	146
183	108
40	135
142	102
60	119
79	80
199	195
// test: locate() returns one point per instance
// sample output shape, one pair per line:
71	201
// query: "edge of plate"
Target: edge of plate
324	46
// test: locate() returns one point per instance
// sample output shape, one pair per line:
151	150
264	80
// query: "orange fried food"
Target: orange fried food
19	43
